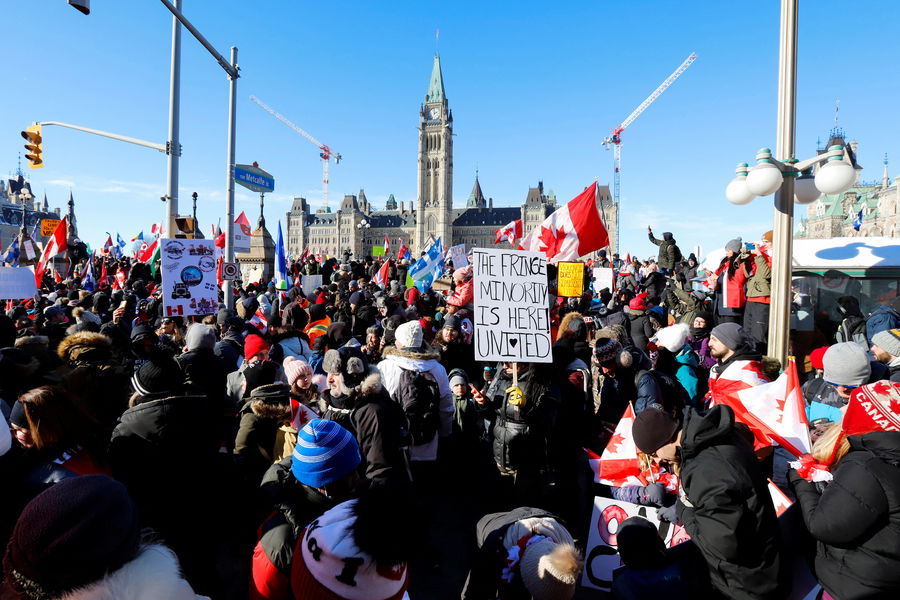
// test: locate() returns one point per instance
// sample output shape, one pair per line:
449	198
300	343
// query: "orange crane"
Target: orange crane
326	153
615	138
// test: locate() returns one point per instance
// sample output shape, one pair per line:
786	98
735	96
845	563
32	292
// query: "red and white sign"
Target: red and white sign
242	233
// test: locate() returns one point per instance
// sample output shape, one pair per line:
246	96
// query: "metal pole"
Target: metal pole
229	175
113	136
783	232
174	149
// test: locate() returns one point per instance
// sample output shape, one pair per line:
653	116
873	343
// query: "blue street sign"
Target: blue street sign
254	178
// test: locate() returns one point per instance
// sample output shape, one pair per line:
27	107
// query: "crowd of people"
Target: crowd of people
311	454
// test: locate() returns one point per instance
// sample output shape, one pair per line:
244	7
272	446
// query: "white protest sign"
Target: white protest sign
603	278
17	283
310	282
29	249
189	277
241	234
458	256
512	315
601	554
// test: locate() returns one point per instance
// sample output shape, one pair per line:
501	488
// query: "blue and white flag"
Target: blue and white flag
36	230
87	281
857	222
12	253
281	272
117	249
428	268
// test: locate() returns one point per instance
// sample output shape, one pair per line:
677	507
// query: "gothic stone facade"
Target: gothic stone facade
356	226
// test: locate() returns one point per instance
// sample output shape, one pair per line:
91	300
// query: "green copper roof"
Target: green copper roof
436	85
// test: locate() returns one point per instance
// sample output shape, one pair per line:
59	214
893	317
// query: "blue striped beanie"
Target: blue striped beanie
324	453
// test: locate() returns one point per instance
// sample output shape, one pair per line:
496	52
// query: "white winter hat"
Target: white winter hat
673	337
409	335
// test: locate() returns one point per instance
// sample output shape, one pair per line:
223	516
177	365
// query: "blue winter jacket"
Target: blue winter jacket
882	318
688	364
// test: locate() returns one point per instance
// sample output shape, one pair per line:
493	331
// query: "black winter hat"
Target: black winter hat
263	372
142	331
71	535
453	322
316	312
158	378
653	428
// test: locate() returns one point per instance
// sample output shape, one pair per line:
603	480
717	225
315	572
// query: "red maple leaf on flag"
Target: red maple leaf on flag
615	441
552	240
303	418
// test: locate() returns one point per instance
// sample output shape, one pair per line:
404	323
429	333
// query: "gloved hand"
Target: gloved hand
670	513
654	493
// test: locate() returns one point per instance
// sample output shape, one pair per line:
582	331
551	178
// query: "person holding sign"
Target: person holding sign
725	506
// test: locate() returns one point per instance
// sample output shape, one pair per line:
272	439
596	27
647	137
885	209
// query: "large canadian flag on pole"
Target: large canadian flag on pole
511	231
56	244
572	231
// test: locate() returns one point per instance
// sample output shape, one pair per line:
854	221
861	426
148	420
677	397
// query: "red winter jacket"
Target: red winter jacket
733	295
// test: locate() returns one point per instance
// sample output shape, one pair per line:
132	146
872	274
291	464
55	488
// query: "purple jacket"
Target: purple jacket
701	347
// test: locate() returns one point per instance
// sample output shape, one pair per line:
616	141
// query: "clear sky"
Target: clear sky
534	87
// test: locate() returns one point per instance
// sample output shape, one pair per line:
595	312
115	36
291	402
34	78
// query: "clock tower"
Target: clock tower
435	180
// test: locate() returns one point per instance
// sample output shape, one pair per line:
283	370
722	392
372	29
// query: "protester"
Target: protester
726	507
855	518
886	350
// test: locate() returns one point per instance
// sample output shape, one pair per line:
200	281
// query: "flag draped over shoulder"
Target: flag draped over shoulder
571	231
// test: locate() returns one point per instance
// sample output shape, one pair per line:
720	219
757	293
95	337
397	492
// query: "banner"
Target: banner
377	251
601	554
603	278
242	233
17	283
458	256
189	277
512	313
570	279
310	282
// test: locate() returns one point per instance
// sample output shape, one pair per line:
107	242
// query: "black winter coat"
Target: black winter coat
380	428
856	520
729	513
639	328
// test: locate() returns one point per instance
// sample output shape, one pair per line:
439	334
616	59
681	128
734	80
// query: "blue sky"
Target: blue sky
534	87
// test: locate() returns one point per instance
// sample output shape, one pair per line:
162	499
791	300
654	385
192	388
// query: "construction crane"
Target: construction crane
615	138
326	153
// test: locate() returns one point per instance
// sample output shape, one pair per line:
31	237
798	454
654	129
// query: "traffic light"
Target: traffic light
34	147
186	227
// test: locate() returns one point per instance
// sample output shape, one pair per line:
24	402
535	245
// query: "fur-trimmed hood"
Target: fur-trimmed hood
425	353
372	383
152	575
85	346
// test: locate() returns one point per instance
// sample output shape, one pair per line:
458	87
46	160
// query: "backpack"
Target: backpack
419	396
853	329
677	253
674	398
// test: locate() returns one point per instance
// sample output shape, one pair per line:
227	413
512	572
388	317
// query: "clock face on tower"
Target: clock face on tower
434	114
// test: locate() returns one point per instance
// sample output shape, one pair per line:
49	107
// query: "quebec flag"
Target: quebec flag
428	268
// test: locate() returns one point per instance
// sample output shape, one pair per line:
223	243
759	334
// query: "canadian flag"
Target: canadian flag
319	256
301	414
511	231
156	229
387	245
572	231
619	464
776	412
56	244
779	500
260	321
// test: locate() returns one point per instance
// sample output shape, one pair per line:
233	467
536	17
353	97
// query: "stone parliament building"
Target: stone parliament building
357	226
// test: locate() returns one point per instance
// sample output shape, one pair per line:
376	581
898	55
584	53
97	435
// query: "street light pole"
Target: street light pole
783	232
173	147
229	175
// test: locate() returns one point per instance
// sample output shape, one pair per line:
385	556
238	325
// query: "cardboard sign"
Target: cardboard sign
603	278
458	256
48	226
512	314
29	249
17	283
570	279
601	554
189	277
310	282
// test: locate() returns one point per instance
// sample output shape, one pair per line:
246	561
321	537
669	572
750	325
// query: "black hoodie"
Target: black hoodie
729	513
856	519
